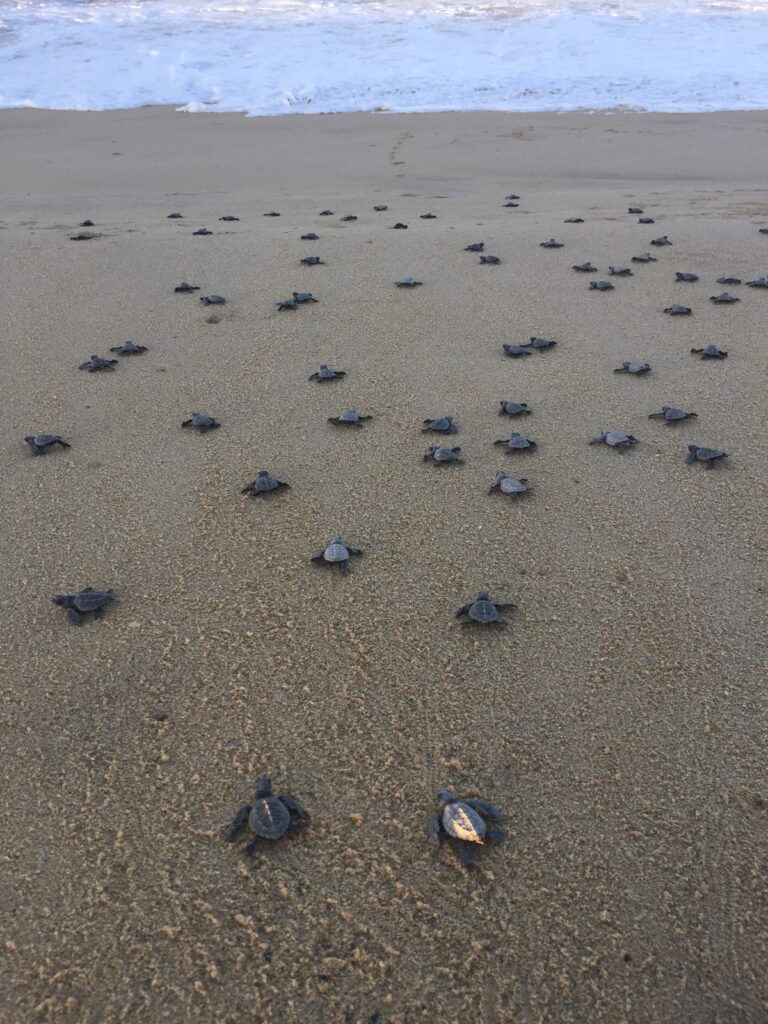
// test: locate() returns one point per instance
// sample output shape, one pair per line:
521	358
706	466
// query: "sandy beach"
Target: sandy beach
620	721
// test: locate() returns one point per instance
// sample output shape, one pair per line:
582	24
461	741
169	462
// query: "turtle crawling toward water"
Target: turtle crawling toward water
485	258
677	310
662	240
541	344
551	244
427	216
515	351
671	414
760	282
442	456
271	213
349	418
441	425
337	553
710	352
129	348
185	288
601	286
400	226
683	275
511	205
517	443
730	279
574	220
212	300
201	422
646	220
483	610
464	820
615	439
268	817
310	237
348	217
40	443
326	373
380	208
636	369
175	216
725	298
707	455
584	268
263	484
97	363
620	271
513	408
302	297
634	209
509	485
644	257
287	304
474	247
202	231
229	217
408	282
86	602
313	261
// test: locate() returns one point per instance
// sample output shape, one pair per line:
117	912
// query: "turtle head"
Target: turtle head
263	472
693	448
484	595
63	600
263	787
337	539
445	797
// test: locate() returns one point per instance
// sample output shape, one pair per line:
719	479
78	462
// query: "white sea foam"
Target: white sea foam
278	56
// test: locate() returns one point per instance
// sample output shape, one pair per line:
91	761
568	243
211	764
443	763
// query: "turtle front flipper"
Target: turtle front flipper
64	444
74	617
237	822
463	610
296	809
252	845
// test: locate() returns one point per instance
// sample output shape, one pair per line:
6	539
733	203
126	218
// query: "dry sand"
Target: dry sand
620	721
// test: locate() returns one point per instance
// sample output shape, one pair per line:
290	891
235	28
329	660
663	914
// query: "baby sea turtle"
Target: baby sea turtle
399	226
510	205
646	220
349	418
442	456
730	279
512	196
474	247
601	286
615	439
337	553
326	213
762	231
287	304
86	224
585	268
683	275
97	363
185	288
574	220
229	217
202	231
710	352
348	217
620	271
310	237
634	209
408	282
644	257
462	820
670	414
427	216
313	261
325	373
201	422
441	425
175	216
677	310
86	602
484	258
637	369
380	209
513	408
517	443
129	348
302	297
541	344
707	455
84	236
515	351
725	298
760	282
212	300
661	240
263	484
40	443
551	244
271	213
269	816
483	610
510	485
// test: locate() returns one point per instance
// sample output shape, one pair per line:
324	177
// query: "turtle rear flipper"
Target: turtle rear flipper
690	458
482	806
496	835
252	845
239	820
433	830
74	617
295	807
467	854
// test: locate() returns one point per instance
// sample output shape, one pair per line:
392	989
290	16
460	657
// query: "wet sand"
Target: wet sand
620	721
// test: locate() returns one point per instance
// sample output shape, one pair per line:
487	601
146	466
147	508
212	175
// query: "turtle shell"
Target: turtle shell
443	454
269	818
671	413
336	551
614	438
91	600
519	441
462	822
511	485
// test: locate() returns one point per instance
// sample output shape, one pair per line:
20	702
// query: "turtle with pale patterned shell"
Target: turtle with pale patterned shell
464	821
268	817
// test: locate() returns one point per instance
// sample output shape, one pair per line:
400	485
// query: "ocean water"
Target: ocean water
305	56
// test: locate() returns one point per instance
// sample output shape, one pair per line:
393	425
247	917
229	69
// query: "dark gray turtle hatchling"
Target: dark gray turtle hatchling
683	275
644	257
484	258
515	351
615	439
84	236
510	485
760	282
551	244
724	298
212	300
677	310
620	271
510	205
408	282
636	369
269	816
185	288
337	553
229	217
483	610
326	373
201	422
601	286
442	456
512	196
634	209
86	602
670	414
762	231
399	226
263	484
517	443
40	443
348	217
313	261
310	237
302	297
707	455
427	216
380	209
326	213
647	220
202	231
474	247
175	216
585	268
574	220
287	304
441	425
97	363
730	279
662	240
271	213
129	348
541	344
349	418
462	820
513	408
86	224
710	352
